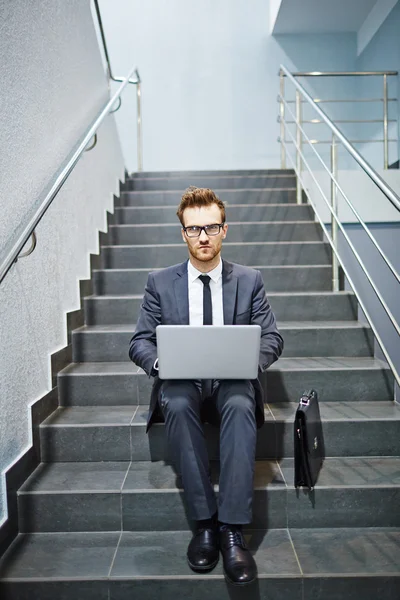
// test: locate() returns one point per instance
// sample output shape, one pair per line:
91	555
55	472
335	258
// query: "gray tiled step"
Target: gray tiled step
210	172
147	496
237	212
326	564
314	306
210	181
118	433
302	338
335	379
288	278
281	194
245	253
238	232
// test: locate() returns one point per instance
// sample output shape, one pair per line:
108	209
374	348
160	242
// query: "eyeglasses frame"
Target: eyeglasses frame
220	225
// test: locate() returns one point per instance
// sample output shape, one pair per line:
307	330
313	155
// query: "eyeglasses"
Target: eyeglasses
195	230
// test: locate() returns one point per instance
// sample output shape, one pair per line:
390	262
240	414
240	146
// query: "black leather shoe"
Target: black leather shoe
203	550
239	565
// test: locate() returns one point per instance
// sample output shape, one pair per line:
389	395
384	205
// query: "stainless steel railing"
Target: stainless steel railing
384	99
300	163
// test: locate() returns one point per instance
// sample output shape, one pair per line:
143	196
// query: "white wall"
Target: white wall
53	86
368	200
210	79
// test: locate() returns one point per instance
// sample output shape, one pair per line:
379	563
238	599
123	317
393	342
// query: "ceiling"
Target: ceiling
322	16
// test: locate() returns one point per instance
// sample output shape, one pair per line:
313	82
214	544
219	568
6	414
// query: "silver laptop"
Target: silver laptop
208	351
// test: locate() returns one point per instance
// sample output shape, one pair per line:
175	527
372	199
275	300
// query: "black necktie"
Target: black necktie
207	320
207	304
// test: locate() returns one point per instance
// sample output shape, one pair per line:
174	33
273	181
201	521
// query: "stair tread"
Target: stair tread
173	206
130	327
225	244
91	416
311	363
218	190
243	223
148	476
136	555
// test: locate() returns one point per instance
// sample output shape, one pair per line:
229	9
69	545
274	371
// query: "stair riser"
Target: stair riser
353	587
282	212
209	173
113	346
165	511
257	232
231	197
114	311
285	253
215	183
274	441
279	386
276	279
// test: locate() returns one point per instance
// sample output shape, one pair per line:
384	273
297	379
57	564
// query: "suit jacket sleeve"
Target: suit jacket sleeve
143	345
261	314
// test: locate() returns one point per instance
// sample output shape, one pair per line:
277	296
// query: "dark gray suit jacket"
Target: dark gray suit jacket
166	302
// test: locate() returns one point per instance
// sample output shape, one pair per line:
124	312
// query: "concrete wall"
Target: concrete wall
53	86
210	79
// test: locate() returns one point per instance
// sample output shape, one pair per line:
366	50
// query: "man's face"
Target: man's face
205	247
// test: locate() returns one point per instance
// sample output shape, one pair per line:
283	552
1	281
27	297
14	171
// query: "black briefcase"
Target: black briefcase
309	450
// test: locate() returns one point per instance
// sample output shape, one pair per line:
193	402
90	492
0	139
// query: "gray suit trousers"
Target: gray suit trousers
181	403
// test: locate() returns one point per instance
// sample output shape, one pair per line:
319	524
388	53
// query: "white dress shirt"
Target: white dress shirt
196	290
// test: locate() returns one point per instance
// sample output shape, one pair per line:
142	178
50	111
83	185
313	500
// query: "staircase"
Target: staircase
96	516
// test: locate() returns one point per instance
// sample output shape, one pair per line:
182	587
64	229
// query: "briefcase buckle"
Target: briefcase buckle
304	401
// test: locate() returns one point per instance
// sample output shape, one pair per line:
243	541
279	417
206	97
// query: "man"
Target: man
206	290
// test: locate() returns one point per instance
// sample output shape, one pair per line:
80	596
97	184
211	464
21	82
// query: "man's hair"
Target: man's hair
195	196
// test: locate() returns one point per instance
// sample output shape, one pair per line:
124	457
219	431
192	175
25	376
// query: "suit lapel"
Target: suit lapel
229	290
182	293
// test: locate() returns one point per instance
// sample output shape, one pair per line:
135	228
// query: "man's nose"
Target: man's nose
203	236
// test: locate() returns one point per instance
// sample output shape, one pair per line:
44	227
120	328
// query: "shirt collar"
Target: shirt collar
194	273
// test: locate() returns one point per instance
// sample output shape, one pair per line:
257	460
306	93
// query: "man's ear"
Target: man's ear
183	235
225	231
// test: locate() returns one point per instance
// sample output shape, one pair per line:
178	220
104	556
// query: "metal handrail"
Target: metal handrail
347	275
59	182
370	171
385	120
384	188
348	201
344	73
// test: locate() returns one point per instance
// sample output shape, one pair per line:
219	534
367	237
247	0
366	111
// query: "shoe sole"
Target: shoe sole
203	569
237	583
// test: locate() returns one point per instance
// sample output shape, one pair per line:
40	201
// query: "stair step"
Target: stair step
243	213
245	253
301	339
316	306
336	379
118	434
285	231
147	496
215	182
287	278
279	194
323	564
210	173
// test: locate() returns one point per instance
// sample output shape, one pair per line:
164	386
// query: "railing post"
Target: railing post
385	124
298	147
334	226
282	118
139	127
